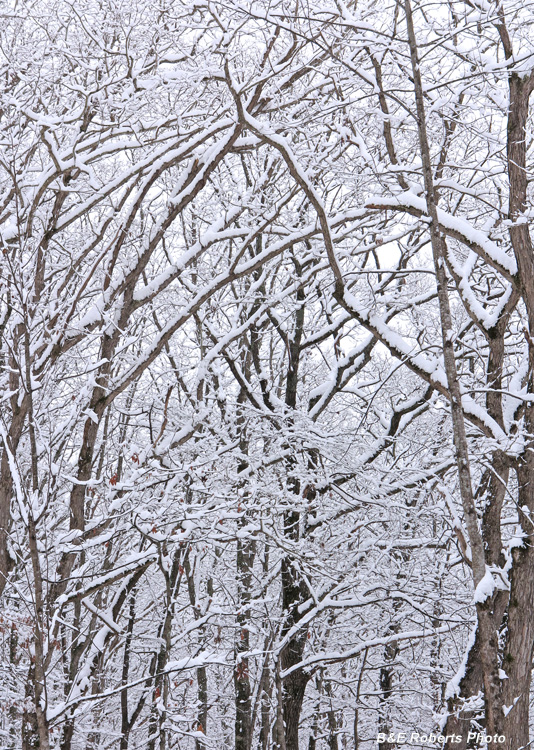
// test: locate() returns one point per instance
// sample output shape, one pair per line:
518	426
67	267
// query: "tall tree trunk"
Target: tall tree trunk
386	690
125	723
40	625
294	588
156	728
10	443
295	591
492	489
518	649
202	674
243	702
489	647
279	734
519	635
332	719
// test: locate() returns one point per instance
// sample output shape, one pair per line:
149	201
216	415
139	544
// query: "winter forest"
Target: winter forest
266	374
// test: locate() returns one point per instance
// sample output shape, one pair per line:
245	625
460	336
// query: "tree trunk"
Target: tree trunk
489	655
295	592
243	693
386	689
518	649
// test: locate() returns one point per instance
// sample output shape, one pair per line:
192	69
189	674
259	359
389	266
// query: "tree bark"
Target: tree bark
243	693
517	657
518	648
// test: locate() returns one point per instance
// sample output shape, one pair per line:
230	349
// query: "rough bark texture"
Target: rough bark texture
294	593
294	588
518	649
517	658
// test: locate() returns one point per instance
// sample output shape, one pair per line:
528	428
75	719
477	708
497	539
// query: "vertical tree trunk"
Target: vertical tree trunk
294	588
295	592
517	661
489	647
279	734
265	687
386	689
518	649
263	742
202	674
6	493
332	720
355	725
245	554
243	693
11	441
156	729
314	729
202	682
125	724
40	625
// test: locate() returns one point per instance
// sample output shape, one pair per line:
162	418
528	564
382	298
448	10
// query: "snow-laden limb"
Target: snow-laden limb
430	369
183	665
333	657
295	169
454	226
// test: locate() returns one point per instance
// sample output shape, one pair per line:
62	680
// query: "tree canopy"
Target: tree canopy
266	374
